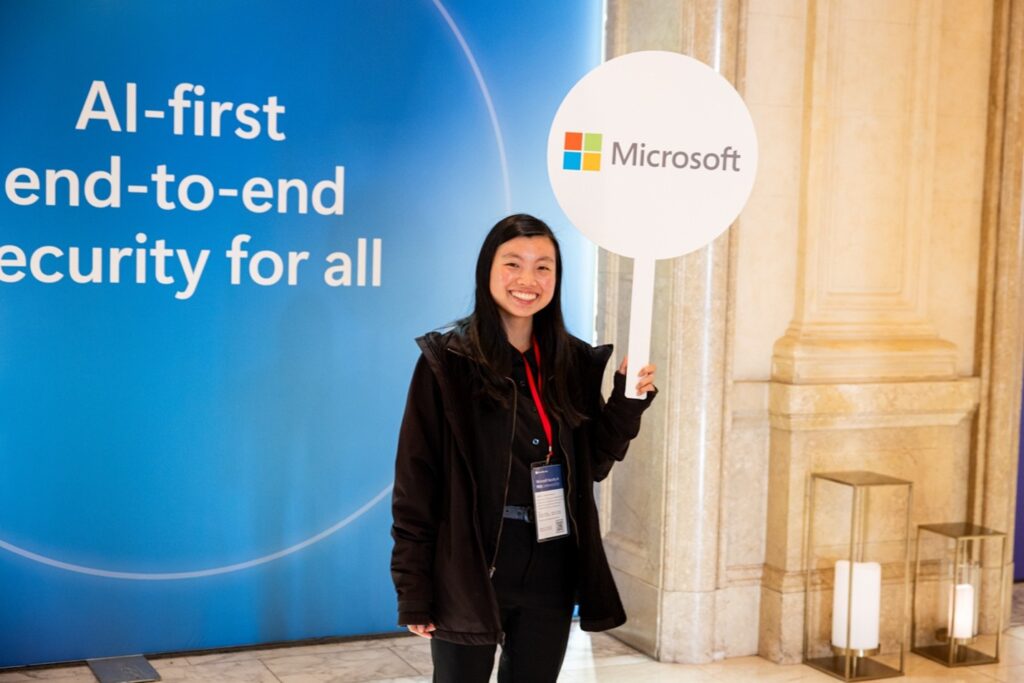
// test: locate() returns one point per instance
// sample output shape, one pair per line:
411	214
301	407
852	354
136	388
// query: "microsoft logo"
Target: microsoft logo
582	152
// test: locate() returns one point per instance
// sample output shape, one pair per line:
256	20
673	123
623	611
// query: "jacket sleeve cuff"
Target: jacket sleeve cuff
413	618
413	612
630	406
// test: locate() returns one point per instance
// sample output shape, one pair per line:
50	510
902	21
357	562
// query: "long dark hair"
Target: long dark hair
488	341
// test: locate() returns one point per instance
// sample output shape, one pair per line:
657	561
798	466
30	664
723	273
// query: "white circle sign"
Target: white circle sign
652	155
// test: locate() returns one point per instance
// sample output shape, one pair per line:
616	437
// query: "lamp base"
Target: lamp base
861	668
964	656
942	636
844	651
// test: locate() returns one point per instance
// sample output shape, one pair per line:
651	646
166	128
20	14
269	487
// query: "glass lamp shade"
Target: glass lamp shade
857	574
959	593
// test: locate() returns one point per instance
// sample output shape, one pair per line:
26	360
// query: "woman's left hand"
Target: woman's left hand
646	376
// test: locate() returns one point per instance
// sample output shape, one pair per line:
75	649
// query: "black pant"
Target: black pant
534	647
534	583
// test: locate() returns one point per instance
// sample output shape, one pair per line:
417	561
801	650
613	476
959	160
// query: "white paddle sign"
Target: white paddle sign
651	155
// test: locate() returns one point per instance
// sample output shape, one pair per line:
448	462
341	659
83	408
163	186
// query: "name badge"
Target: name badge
549	502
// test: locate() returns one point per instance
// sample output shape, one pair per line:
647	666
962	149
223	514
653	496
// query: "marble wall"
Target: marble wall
840	324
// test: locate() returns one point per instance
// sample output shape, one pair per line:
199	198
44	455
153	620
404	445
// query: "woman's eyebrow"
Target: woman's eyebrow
512	254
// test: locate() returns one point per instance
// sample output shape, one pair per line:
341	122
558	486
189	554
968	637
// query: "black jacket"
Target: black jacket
450	444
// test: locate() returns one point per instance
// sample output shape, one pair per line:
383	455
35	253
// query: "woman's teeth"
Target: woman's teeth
523	296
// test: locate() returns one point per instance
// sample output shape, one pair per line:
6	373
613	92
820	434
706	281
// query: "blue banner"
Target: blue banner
222	225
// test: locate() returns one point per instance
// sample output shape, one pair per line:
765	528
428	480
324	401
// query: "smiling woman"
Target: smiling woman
523	279
504	434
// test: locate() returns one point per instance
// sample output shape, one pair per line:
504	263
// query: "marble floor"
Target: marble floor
591	658
596	658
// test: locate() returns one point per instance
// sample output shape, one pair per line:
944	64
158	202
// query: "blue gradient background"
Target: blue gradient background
141	433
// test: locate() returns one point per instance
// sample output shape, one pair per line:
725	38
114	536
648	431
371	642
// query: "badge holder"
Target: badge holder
549	512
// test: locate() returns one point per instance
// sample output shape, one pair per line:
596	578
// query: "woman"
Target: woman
505	432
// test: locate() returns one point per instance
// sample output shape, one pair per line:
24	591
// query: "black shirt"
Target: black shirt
529	443
528	572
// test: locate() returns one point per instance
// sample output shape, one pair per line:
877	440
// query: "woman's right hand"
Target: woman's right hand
422	630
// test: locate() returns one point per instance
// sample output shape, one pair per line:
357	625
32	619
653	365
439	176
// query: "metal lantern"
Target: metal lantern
959	593
857	574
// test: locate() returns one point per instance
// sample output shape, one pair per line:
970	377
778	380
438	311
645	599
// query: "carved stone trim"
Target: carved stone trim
858	318
808	407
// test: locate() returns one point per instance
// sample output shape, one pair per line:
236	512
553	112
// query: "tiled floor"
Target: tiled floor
591	658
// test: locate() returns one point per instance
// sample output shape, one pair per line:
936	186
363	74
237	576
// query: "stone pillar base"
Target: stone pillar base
782	618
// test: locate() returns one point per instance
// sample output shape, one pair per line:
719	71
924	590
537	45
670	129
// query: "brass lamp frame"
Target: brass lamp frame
955	652
848	664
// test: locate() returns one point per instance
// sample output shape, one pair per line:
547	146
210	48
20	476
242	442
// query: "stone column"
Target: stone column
993	485
660	507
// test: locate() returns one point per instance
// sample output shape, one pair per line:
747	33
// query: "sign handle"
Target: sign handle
641	309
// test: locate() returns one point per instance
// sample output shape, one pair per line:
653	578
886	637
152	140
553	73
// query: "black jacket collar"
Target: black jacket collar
435	343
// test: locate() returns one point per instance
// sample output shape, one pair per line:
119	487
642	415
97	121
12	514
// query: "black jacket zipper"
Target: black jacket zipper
508	478
508	472
568	467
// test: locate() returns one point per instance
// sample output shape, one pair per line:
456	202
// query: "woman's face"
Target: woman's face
523	276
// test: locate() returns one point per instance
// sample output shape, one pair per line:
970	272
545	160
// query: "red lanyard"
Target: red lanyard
535	388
